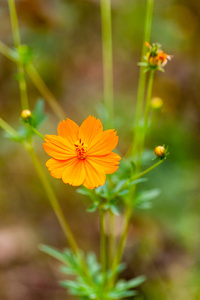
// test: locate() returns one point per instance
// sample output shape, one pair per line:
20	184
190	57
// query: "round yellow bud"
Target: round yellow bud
25	114
160	151
156	103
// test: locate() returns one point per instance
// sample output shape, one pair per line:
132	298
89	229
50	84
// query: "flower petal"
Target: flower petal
69	130
107	163
58	147
90	128
74	173
103	143
57	167
94	176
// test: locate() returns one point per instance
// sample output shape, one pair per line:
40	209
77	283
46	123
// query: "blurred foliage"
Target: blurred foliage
66	39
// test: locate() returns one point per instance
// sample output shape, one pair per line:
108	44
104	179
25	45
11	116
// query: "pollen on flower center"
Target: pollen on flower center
81	149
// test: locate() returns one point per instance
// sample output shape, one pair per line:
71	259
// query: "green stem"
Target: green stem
111	236
45	92
36	132
52	198
142	76
36	79
126	184
7	52
103	239
16	38
146	118
7	128
107	61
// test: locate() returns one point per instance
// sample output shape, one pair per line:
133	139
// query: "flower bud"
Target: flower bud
156	103
25	114
160	151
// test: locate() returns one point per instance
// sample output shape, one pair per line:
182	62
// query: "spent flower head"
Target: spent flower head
82	155
155	58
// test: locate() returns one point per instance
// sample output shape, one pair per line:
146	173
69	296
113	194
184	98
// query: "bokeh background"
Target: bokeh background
164	242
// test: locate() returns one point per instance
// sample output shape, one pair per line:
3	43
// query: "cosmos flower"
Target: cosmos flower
82	155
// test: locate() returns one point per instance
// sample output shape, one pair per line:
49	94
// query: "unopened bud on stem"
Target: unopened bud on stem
25	114
160	151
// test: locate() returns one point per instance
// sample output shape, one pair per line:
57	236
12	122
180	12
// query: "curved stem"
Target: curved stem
45	92
146	118
111	236
142	76
137	177
103	240
16	38
107	61
36	131
36	79
52	198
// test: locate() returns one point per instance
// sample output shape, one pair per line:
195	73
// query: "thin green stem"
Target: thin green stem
103	239
146	118
36	132
142	76
129	208
135	177
16	38
111	236
107	61
7	52
52	198
45	92
36	79
8	129
14	23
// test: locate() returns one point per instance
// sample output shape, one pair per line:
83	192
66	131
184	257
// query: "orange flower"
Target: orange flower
82	155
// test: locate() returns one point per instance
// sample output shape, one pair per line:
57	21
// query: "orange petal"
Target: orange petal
103	143
74	173
58	147
90	128
69	130
94	177
57	167
107	163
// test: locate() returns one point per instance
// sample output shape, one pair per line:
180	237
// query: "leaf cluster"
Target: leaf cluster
88	281
116	192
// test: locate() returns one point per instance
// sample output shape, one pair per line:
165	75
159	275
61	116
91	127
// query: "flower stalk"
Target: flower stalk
52	198
142	76
107	62
36	79
16	38
103	239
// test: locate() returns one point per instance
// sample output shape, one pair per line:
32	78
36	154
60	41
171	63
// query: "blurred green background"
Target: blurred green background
164	242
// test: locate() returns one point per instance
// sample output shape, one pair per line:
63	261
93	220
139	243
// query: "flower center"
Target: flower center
81	149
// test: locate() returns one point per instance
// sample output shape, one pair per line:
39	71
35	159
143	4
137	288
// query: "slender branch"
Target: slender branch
111	236
36	79
103	239
107	61
146	118
135	177
16	38
142	76
8	129
45	92
52	198
36	131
